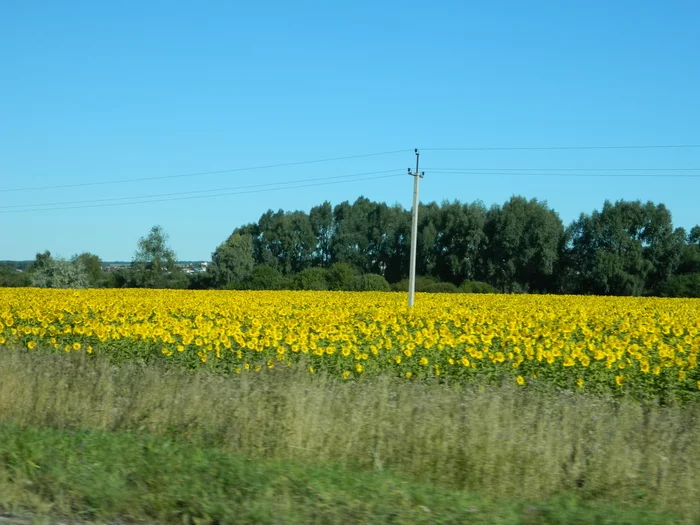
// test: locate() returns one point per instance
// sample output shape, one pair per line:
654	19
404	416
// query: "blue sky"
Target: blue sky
103	91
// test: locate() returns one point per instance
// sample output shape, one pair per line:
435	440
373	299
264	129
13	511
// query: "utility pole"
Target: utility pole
414	232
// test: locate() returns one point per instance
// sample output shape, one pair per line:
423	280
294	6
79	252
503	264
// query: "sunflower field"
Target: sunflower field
647	346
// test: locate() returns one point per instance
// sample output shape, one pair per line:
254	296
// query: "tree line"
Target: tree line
522	246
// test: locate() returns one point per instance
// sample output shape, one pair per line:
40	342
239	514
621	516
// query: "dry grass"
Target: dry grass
502	441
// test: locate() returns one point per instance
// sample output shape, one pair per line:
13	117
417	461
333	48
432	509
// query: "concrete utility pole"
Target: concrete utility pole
414	232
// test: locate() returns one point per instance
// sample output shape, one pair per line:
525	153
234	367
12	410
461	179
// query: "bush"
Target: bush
265	277
687	285
476	287
312	279
442	288
341	276
425	284
59	273
9	276
371	282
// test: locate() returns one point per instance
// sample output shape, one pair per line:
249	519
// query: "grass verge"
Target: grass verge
105	476
508	443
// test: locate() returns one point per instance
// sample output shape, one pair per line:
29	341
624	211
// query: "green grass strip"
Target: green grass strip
102	476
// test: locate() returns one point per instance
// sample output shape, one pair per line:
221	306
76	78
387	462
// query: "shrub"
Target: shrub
312	279
687	285
442	288
341	276
265	277
476	287
59	273
425	284
371	282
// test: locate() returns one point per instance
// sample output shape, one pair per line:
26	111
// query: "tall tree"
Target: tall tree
350	242
429	235
462	239
321	218
286	240
690	258
523	245
386	229
93	266
232	261
627	248
153	258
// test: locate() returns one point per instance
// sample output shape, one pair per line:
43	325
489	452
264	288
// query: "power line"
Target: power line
103	205
193	192
200	173
567	175
565	169
549	148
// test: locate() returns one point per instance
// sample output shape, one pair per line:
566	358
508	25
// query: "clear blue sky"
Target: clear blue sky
103	91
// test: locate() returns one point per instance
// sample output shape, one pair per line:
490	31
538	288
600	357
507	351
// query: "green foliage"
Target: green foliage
194	483
321	218
267	278
524	245
371	282
460	241
41	261
232	261
58	273
11	277
152	259
83	438
201	281
341	276
442	288
425	284
283	240
476	287
312	279
687	285
92	265
627	248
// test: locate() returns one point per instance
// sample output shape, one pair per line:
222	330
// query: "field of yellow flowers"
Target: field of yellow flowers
644	345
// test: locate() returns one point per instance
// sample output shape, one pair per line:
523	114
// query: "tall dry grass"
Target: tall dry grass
503	441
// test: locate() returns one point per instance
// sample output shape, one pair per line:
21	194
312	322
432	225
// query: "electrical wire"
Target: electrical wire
550	148
565	175
200	173
103	205
564	169
193	192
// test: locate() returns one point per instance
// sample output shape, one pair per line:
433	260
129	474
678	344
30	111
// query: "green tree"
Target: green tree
286	241
627	248
350	240
686	285
153	259
461	241
11	276
321	218
93	267
428	237
59	273
41	260
524	239
232	261
690	258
